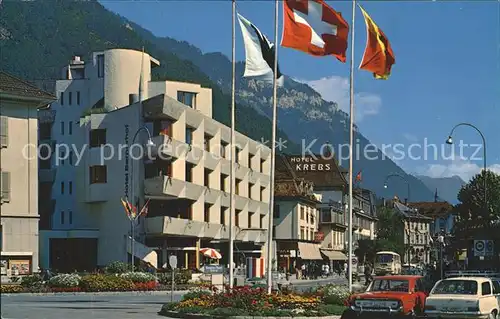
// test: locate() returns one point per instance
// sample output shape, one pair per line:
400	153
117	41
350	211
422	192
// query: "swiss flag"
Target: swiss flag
313	27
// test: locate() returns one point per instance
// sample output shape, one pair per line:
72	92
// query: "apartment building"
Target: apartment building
364	215
106	106
296	218
19	102
417	236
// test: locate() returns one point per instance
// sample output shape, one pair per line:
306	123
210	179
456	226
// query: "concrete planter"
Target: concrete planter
176	314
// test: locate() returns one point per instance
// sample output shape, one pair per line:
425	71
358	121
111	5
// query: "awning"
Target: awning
334	254
309	251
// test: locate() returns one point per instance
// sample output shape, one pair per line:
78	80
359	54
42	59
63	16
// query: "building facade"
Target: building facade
330	183
19	102
416	235
365	215
110	104
296	219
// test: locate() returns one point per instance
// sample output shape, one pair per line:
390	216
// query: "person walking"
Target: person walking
368	274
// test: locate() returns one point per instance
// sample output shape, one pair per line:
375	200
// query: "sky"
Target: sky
447	71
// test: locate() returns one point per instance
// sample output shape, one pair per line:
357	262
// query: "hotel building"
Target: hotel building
107	105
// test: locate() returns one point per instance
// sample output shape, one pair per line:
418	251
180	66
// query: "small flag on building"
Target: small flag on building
313	27
145	209
260	53
359	177
378	57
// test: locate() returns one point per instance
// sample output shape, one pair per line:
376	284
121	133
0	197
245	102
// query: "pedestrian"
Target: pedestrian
368	274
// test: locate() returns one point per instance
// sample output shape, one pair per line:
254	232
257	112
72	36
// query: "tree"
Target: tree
471	197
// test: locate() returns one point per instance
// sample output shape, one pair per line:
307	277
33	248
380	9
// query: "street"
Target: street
125	305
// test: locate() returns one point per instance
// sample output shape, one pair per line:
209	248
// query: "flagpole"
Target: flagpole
351	145
273	156
233	151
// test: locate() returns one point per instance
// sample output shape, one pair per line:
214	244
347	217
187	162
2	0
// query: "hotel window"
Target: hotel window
188	98
262	165
70	98
250	192
237	155
206	142
70	217
189	135
223	211
250	160
223	148
261	222
77	97
62	128
250	217
206	179
262	190
311	235
62	217
302	213
237	218
238	187
62	156
274	231
70	186
61	100
302	232
98	174
163	127
100	66
276	212
206	213
62	188
189	172
97	137
70	128
223	182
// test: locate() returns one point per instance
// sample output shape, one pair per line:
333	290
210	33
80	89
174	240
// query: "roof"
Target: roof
408	212
398	277
433	209
288	185
480	279
323	171
13	86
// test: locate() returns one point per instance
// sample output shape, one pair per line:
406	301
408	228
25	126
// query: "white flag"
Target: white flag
259	53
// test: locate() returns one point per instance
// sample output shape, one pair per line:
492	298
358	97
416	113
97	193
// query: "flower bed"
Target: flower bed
246	301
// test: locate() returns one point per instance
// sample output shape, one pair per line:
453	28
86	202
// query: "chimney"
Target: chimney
133	98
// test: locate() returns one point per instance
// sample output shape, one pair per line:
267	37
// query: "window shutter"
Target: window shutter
5	186
4	131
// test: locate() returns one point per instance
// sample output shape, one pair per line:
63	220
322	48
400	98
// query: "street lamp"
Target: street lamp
401	177
450	142
133	217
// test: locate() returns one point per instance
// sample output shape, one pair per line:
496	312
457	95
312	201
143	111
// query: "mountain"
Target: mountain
447	187
38	37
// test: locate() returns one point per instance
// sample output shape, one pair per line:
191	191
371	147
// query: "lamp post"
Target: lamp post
450	142
441	244
133	217
401	177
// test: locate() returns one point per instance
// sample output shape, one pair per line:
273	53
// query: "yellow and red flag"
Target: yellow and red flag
130	210
378	57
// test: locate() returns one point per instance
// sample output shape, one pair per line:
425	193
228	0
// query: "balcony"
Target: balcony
330	216
165	225
46	175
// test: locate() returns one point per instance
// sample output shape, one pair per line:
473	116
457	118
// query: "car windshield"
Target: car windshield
390	285
456	287
385	258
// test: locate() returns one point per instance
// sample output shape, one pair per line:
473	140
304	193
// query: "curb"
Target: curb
176	314
103	293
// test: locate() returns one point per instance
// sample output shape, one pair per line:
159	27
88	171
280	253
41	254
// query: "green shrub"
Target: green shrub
117	267
64	281
335	295
139	277
32	281
99	282
196	293
182	277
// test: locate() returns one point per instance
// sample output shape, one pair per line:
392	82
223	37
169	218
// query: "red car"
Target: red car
389	296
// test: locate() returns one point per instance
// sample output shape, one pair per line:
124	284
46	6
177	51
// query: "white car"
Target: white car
464	297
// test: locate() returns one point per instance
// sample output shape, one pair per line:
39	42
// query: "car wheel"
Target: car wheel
492	315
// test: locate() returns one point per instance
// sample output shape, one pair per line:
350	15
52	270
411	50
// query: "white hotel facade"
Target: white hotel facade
83	223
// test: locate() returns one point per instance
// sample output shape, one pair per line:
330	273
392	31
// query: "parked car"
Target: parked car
464	297
389	296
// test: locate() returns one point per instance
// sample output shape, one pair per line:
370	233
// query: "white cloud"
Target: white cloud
461	167
336	89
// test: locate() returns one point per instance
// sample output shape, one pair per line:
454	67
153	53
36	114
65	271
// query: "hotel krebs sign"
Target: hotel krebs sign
310	164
